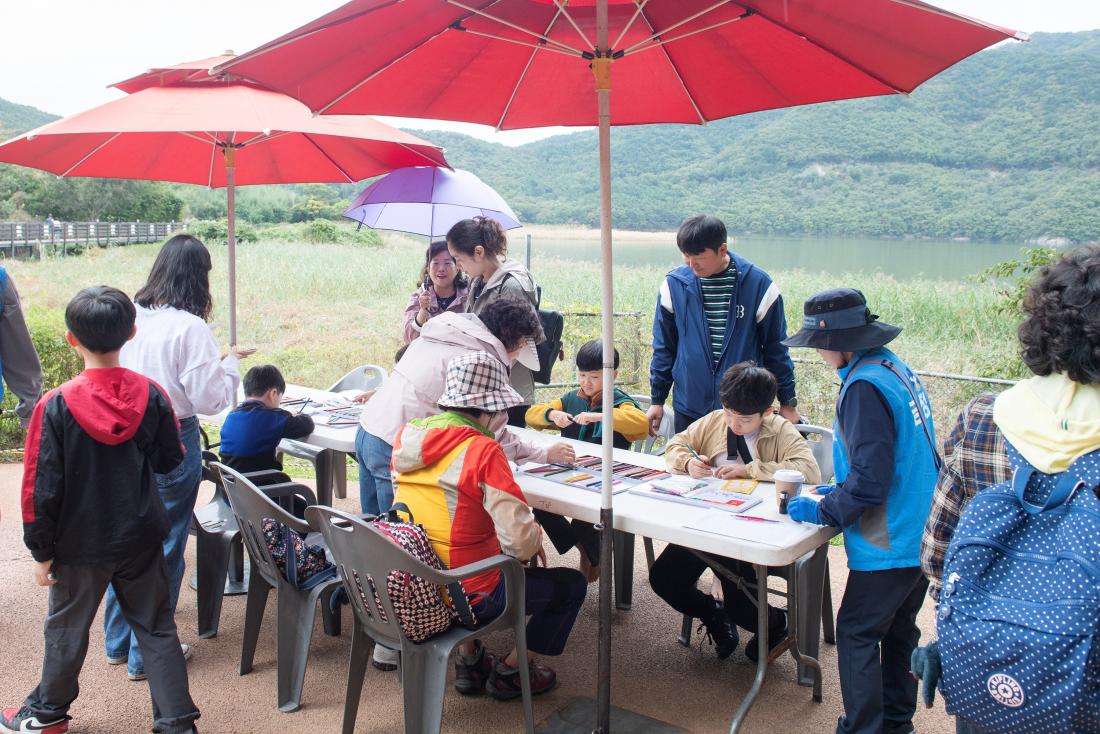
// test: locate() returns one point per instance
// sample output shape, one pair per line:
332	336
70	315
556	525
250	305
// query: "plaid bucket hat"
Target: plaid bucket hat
478	380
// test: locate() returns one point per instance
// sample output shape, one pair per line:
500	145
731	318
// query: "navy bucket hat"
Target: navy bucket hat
838	320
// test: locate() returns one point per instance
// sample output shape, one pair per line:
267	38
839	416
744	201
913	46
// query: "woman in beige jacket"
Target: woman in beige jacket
743	440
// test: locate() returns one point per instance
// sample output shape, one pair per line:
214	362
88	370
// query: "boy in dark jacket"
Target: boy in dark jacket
92	516
579	415
252	431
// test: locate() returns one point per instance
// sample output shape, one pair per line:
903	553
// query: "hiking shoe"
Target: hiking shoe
504	685
24	720
384	658
472	672
140	675
720	632
776	634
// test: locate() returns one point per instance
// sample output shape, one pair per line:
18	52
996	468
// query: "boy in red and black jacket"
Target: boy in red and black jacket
92	516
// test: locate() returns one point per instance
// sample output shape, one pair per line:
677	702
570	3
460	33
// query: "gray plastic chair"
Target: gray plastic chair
821	444
365	558
297	608
666	430
218	547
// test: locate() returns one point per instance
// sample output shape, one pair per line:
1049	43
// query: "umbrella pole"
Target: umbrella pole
601	66
231	237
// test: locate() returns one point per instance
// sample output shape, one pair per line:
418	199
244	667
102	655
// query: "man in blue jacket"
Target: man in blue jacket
715	310
886	466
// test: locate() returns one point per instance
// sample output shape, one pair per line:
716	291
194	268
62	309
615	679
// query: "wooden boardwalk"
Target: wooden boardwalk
31	239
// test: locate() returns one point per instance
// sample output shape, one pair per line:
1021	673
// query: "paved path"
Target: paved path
653	674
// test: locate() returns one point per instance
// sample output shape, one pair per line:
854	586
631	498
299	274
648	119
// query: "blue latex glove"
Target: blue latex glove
925	667
804	509
824	489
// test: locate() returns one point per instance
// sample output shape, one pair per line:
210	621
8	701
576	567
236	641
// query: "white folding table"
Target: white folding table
665	521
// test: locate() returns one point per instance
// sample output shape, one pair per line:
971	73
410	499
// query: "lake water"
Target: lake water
902	259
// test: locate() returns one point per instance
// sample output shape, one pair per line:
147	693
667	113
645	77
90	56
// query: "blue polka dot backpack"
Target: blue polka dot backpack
1019	615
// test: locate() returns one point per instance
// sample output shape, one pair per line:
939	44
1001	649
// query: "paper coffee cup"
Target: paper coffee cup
788	484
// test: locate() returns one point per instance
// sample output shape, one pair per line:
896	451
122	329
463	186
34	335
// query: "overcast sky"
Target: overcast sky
60	55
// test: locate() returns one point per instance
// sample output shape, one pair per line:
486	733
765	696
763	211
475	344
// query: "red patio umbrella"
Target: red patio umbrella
532	63
218	135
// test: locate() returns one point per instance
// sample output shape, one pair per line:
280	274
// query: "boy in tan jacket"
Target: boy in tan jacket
744	440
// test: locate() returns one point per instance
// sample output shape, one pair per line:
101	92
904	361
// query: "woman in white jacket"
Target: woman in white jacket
175	348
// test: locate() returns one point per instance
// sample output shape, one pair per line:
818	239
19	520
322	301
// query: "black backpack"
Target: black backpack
553	324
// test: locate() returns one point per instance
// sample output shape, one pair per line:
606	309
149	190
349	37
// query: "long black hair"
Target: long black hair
487	232
180	278
434	249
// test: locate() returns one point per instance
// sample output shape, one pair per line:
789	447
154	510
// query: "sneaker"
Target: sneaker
384	658
117	659
776	634
720	632
504	684
23	720
472	672
140	675
894	727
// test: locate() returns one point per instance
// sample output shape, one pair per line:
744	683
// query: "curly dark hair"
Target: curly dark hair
512	319
1061	330
180	278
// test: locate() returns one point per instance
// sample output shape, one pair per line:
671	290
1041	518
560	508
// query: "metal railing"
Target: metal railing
32	239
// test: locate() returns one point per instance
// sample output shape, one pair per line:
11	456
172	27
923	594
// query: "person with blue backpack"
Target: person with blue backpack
886	462
1010	546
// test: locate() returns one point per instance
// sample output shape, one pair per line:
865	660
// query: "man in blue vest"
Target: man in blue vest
715	310
18	359
886	465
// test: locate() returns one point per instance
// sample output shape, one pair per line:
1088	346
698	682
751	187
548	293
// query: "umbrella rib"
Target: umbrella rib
518	42
95	150
351	90
523	75
424	156
656	41
637	11
836	55
561	7
674	26
293	38
186	134
1018	35
676	70
329	158
213	157
513	26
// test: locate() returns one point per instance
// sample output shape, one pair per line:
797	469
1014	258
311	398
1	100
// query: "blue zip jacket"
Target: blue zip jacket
251	434
681	340
884	463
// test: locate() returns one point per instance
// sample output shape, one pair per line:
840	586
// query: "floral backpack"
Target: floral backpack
423	609
304	565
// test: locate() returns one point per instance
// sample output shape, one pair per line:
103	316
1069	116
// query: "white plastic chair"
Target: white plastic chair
363	377
821	444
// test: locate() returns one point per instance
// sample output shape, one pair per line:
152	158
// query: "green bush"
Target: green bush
322	231
60	363
216	231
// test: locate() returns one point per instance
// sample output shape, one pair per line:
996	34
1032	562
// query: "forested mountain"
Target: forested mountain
1005	145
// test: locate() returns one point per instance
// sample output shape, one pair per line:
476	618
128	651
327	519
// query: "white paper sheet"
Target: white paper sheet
777	534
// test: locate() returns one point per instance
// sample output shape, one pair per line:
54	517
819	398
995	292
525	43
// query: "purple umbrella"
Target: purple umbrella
428	200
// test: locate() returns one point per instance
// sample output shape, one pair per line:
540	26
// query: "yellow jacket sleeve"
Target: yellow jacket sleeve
536	414
630	421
